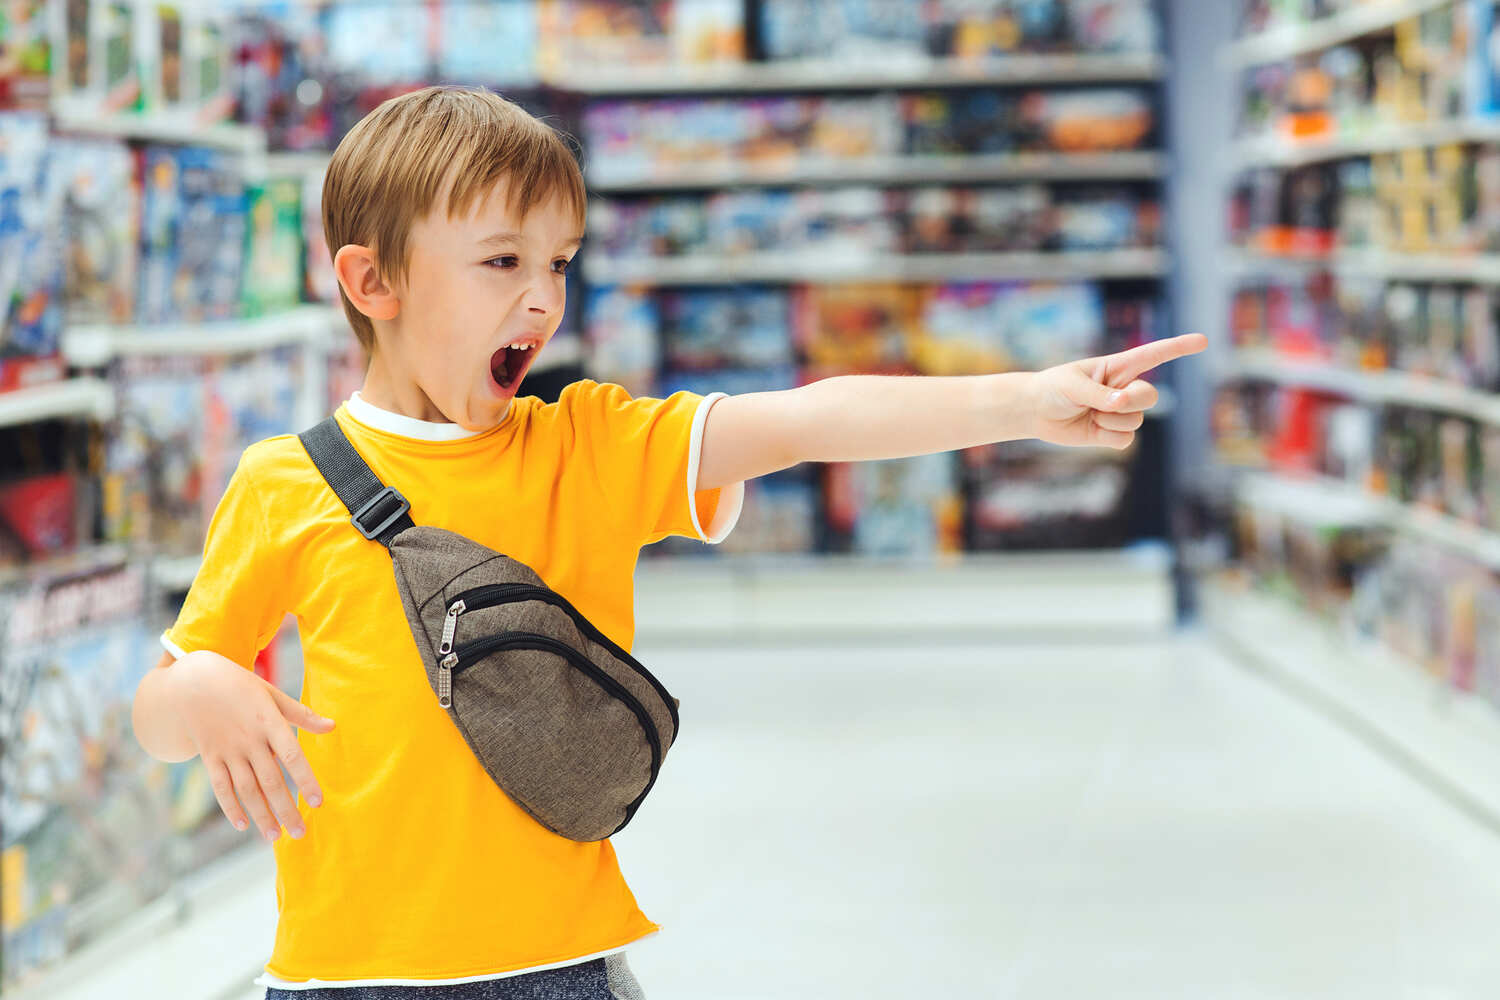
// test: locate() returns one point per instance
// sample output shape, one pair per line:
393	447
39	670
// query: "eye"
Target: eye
505	262
560	266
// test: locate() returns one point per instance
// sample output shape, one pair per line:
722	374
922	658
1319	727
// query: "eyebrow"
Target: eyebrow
499	240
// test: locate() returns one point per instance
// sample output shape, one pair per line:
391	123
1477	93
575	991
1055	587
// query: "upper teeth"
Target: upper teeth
522	347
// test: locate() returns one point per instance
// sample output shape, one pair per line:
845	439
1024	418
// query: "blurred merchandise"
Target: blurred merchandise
273	248
628	139
633	33
855	222
965	29
31	252
971	329
710	329
192	235
908	507
101	212
25	54
183	423
1035	496
620	329
282	77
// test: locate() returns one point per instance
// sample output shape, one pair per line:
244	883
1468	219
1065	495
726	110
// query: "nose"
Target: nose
546	295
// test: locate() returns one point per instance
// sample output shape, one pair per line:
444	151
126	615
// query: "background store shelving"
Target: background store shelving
176	304
1357	422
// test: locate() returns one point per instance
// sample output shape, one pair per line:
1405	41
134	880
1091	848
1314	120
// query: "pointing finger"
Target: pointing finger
1130	365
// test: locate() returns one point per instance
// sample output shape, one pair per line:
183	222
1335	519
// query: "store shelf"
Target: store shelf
1385	387
888	74
82	398
1112	593
891	170
1326	502
1449	739
1472	269
89	346
245	139
832	267
1300	39
1279	151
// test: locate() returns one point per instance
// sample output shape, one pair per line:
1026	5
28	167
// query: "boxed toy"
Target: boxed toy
978	327
848	329
100	216
709	329
192	235
620	329
31	251
492	43
273	250
25	54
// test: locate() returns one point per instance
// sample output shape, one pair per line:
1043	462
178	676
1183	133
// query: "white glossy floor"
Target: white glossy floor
1040	822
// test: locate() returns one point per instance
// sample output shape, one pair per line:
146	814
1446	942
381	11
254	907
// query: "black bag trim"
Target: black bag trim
478	598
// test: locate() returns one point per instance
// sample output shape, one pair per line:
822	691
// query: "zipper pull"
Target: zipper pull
450	626
445	680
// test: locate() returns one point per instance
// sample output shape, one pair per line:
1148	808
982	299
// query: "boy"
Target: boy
454	215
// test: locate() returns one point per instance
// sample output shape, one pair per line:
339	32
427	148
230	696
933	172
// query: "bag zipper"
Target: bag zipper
465	656
494	594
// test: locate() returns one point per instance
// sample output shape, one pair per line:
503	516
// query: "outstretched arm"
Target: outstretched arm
1097	402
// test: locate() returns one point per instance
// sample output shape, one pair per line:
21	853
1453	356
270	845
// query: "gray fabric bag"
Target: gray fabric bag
566	722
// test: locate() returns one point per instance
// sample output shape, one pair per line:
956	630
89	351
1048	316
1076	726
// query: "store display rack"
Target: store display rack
1386	387
1280	151
888	74
147	128
84	398
1383	265
1125	166
1303	39
820	268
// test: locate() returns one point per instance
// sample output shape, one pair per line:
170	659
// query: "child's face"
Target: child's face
476	285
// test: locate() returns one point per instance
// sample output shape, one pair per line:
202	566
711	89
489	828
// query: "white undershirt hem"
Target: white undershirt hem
266	979
731	498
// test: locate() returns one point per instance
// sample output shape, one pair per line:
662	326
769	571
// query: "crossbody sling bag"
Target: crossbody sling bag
569	725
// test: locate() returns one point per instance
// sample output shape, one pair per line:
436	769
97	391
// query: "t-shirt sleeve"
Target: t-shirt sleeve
232	606
645	454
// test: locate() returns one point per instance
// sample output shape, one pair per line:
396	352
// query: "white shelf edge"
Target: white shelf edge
1300	39
1132	165
1322	500
94	345
830	75
827	269
1276	151
1448	738
1475	269
245	139
89	398
1378	387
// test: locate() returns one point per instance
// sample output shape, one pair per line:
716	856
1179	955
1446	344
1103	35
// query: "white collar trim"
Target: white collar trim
397	423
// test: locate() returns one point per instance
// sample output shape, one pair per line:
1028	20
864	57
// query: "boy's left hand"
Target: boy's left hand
1101	401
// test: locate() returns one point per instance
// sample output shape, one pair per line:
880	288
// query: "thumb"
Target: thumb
1094	393
299	714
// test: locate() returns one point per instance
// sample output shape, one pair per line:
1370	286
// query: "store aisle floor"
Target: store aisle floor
1039	822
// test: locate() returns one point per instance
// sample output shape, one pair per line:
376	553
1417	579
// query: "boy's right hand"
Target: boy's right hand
241	727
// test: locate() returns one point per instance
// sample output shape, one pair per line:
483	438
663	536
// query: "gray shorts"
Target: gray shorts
607	978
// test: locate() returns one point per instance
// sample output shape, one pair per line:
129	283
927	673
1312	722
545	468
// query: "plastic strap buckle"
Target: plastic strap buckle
376	507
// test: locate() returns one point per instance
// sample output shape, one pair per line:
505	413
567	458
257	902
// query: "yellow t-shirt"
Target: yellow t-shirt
417	867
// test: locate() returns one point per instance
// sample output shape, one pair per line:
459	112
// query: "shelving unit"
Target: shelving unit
1386	387
88	346
1280	151
1449	739
827	268
1142	166
890	74
74	398
1469	269
1302	39
144	128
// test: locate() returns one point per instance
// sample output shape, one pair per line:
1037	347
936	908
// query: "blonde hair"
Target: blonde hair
390	169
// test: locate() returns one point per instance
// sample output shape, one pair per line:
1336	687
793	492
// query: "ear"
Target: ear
355	268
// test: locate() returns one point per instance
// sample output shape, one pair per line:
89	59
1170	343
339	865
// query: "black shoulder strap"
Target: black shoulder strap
379	511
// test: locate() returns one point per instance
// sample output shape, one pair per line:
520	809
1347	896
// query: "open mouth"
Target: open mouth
508	366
